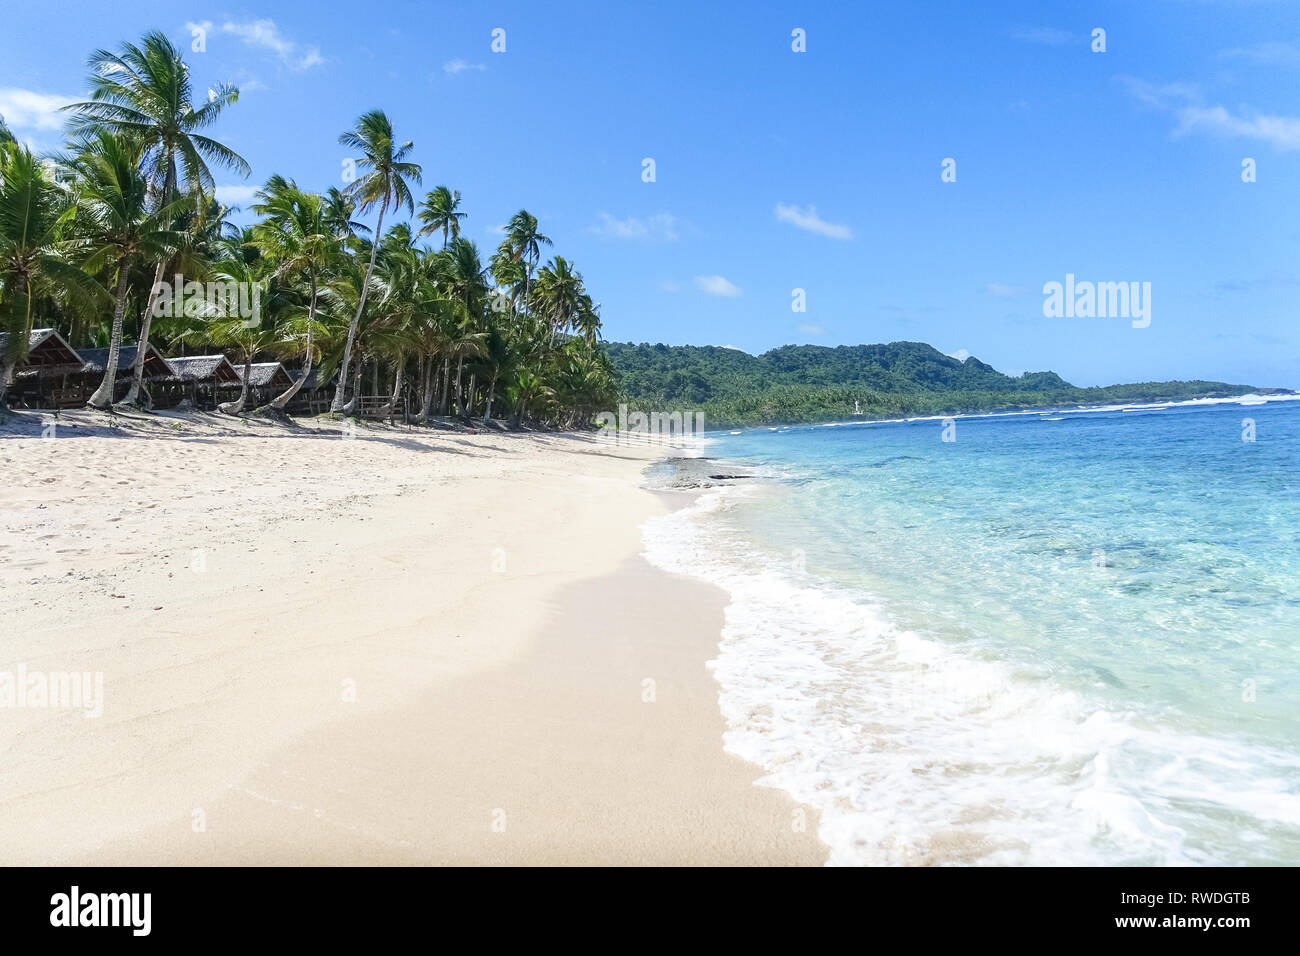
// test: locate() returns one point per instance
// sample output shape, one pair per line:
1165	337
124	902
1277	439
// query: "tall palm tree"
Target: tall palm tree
143	92
384	184
525	242
5	135
440	211
124	226
301	236
36	244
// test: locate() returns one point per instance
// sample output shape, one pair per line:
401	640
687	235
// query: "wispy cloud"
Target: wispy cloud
31	111
808	220
1046	36
960	355
1187	106
1000	290
809	328
1272	53
669	285
265	35
661	227
717	285
236	195
455	67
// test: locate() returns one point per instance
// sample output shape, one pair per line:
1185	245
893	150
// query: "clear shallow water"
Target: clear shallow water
1050	641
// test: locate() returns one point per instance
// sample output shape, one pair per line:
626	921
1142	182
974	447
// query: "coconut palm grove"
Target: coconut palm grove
366	293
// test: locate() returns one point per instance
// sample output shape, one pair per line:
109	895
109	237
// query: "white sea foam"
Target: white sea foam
915	751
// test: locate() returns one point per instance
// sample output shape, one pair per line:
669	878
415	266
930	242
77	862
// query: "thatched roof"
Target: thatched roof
313	379
48	352
203	369
264	374
96	361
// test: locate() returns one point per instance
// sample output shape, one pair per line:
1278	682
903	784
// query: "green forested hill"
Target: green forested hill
808	383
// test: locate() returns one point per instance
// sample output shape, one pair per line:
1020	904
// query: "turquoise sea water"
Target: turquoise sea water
1060	638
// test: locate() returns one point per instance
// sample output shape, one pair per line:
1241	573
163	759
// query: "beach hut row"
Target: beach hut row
56	375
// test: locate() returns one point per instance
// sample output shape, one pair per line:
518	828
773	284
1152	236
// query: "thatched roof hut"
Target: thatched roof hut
96	361
48	353
203	370
265	375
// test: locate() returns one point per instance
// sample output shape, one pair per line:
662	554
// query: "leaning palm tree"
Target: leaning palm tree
383	185
124	227
300	236
36	245
143	92
5	135
440	212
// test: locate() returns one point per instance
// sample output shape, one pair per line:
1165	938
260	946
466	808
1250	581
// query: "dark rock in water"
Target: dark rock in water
728	477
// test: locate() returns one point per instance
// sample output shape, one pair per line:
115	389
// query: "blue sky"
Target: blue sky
819	170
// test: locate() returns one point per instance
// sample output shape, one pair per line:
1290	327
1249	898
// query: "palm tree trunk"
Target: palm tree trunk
285	397
354	405
137	376
137	372
397	389
6	361
103	397
469	395
460	397
446	382
428	390
487	414
234	408
337	405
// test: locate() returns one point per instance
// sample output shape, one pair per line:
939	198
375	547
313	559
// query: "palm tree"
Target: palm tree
497	357
36	216
143	92
301	236
439	211
247	336
559	294
384	185
525	244
529	391
124	227
5	135
337	209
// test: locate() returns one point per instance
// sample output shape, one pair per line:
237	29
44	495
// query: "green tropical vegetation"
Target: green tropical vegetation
89	235
812	383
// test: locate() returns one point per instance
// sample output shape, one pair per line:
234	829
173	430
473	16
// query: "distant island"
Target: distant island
814	383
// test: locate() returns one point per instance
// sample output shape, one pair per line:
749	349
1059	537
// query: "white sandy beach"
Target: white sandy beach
398	648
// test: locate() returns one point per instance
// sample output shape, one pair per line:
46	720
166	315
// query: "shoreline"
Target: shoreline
431	649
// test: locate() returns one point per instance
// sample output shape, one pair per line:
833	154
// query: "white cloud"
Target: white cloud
28	110
236	195
1187	106
1281	131
808	220
960	355
1272	53
496	230
1000	290
661	227
669	285
1047	36
454	67
716	285
265	35
810	329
